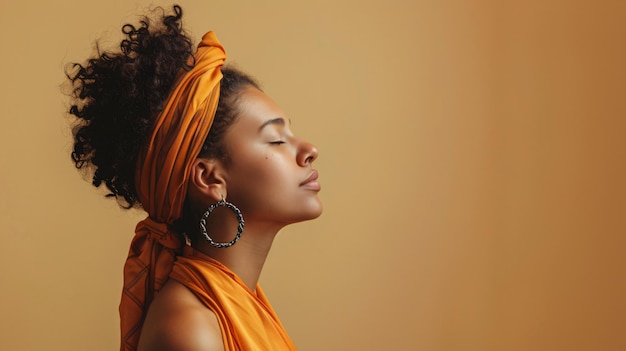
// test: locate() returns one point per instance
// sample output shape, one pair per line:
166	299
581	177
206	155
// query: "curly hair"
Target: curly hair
116	96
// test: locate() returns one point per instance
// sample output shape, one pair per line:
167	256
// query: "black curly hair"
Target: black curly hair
116	95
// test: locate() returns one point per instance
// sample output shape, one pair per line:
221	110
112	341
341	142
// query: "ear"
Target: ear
207	179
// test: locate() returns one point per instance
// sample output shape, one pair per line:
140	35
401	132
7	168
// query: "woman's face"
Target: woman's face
269	175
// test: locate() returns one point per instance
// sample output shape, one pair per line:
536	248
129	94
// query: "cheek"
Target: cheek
255	179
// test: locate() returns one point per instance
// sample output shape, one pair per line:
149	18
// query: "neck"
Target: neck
247	257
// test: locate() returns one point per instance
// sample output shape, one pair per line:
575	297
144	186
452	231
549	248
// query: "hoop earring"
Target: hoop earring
206	215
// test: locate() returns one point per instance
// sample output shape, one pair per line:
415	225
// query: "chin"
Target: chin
311	212
319	211
314	212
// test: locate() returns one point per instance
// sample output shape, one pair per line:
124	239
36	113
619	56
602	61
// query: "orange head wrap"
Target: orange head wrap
163	168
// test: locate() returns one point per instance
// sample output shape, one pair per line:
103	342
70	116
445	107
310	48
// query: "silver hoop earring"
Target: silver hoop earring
206	215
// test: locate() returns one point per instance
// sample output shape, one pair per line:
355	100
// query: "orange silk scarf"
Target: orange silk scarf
161	181
246	318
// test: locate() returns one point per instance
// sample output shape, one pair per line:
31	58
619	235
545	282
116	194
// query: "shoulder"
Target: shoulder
178	321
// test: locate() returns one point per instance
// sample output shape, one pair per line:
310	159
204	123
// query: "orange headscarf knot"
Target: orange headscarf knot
159	232
161	179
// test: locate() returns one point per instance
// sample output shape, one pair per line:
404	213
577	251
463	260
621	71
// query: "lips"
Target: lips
311	182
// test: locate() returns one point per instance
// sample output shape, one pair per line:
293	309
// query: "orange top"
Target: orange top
163	168
246	318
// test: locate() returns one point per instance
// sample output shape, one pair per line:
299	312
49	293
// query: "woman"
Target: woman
201	148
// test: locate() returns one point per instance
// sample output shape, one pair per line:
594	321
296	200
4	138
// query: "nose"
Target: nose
307	153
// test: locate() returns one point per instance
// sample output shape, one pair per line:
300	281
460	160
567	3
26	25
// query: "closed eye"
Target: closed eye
277	142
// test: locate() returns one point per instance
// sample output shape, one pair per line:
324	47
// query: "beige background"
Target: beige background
472	162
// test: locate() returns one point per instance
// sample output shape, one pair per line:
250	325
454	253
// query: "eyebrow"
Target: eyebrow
276	121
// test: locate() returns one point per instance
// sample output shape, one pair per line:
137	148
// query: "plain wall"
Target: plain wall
472	165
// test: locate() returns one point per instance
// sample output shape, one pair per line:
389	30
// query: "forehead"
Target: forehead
255	108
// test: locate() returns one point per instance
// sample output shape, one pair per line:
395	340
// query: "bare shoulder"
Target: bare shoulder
178	321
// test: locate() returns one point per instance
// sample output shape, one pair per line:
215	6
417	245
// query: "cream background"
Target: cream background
472	164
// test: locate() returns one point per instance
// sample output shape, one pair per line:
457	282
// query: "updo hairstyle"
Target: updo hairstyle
116	96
